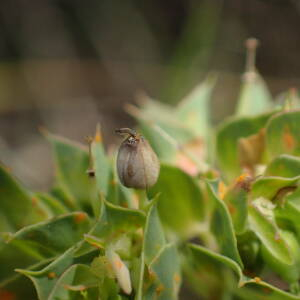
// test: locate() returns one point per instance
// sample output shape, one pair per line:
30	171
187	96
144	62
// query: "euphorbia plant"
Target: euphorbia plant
223	214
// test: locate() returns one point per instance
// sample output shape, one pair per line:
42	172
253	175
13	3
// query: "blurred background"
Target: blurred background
67	64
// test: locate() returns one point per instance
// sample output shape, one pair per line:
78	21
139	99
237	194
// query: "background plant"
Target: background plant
223	214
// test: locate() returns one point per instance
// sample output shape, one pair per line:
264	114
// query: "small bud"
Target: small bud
120	270
137	164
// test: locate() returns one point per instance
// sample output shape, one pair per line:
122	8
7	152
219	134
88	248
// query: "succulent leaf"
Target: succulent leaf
262	223
222	227
228	135
180	206
51	237
72	162
282	134
18	207
194	110
284	165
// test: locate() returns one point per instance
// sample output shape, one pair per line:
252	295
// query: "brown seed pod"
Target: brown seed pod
137	164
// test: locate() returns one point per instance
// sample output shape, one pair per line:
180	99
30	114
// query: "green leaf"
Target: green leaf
161	129
236	202
109	290
72	162
262	223
124	219
19	288
284	165
165	275
207	257
247	288
211	273
17	207
51	237
181	205
228	135
94	241
115	220
269	187
153	242
165	138
282	134
258	289
222	227
74	281
100	163
288	272
11	257
154	238
46	279
162	146
127	197
288	211
193	110
154	109
255	97
162	116
53	204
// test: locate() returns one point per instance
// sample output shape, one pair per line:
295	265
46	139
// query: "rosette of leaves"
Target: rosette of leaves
223	214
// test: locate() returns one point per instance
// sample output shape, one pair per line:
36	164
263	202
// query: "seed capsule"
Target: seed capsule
137	164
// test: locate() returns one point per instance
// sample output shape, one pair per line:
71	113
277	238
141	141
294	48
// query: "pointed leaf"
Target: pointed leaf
46	279
17	207
288	210
72	161
210	273
165	274
222	227
284	165
205	256
258	289
164	149
236	201
282	134
248	288
100	163
180	205
163	132
51	237
11	257
255	97
116	220
154	238
262	223
55	206
194	110
269	187
288	272
228	135
77	278
153	242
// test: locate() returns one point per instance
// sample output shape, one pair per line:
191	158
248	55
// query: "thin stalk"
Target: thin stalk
251	46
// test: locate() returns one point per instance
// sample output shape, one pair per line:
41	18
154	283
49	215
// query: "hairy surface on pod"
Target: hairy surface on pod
137	164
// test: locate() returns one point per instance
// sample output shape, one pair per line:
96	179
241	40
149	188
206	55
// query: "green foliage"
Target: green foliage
89	237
